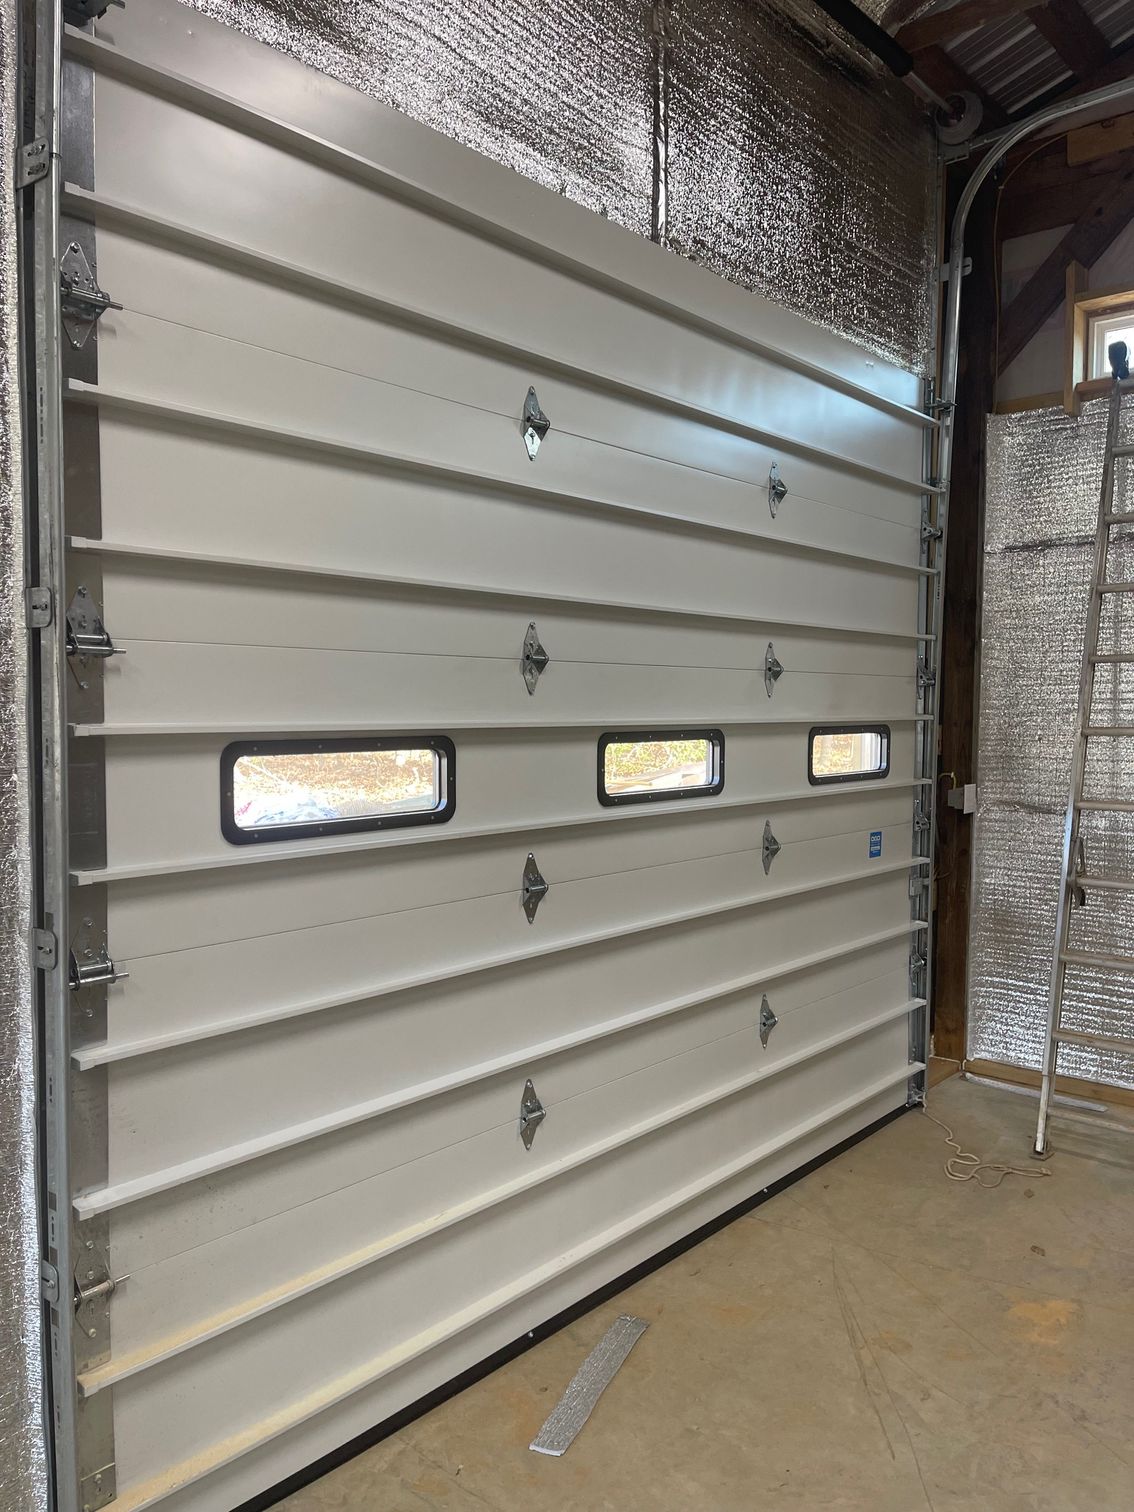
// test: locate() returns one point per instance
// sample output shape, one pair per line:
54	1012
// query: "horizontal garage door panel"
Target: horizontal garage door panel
299	495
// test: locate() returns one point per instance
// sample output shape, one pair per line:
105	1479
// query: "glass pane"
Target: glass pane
1106	329
273	789
648	766
848	753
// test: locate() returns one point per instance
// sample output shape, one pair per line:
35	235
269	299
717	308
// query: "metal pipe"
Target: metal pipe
878	41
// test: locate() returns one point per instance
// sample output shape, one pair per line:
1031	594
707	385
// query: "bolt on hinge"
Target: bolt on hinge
99	1488
926	675
771	846
921	819
773	670
768	1021
931	532
532	1114
533	658
82	301
33	162
777	489
98	1285
918	963
86	633
89	962
533	888
534	424
40	604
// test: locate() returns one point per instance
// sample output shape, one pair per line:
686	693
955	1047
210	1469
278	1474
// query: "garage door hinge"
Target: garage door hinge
930	532
86	633
532	1114
917	964
49	1282
768	1021
98	1489
40	607
533	658
82	301
97	1287
772	846
533	889
926	676
33	162
534	426
90	964
921	819
773	671
777	489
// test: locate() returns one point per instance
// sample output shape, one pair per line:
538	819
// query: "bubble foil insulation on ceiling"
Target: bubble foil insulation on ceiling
749	135
1044	472
23	1484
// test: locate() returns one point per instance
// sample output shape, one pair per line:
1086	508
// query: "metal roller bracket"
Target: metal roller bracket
535	425
533	889
82	301
90	964
777	489
773	670
768	1021
86	633
771	847
533	658
532	1114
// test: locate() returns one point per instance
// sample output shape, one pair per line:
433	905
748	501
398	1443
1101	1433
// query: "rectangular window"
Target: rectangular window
848	753
641	766
297	789
1105	329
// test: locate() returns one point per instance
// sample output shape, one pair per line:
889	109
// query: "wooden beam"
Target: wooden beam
1067	28
1022	213
1119	65
1071	1086
1074	336
1109	213
943	26
1101	139
976	389
947	77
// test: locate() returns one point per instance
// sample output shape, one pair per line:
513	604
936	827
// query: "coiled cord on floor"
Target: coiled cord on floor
964	1166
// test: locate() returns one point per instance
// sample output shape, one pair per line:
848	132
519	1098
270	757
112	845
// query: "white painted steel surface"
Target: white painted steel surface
316	516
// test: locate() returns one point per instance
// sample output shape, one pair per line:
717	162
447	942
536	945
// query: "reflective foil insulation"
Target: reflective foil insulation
23	1486
1044	473
750	135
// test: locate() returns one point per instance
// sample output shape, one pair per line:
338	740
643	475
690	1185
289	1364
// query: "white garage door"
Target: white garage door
510	854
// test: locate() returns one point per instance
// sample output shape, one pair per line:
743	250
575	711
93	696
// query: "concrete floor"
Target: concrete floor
875	1338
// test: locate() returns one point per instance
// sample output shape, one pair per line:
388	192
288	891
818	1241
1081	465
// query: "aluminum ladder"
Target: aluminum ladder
1075	881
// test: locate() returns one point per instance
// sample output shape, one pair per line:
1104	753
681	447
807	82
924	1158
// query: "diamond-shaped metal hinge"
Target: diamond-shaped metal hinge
777	489
926	676
532	1114
533	889
930	532
773	671
533	658
83	302
917	963
535	425
86	633
768	1021
89	962
771	846
921	820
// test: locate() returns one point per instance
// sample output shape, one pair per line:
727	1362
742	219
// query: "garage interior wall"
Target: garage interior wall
752	136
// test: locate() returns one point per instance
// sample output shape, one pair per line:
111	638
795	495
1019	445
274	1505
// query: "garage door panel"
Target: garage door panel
397	1298
265	309
221	497
255	194
146	598
196	994
553	773
180	911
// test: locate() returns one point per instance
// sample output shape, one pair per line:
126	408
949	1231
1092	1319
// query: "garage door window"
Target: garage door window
848	753
287	790
644	766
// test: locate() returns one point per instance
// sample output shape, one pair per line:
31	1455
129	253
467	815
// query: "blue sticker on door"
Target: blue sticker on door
875	843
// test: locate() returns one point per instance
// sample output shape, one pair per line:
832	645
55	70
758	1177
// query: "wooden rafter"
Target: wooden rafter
1119	64
1109	212
1067	28
942	26
947	77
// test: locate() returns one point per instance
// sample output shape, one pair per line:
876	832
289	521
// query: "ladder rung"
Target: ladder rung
1104	962
1120	517
1106	805
1116	588
1118	657
1102	884
1124	451
1109	730
1117	1042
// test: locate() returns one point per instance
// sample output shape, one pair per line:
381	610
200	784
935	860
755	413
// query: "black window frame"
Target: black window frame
441	746
847	729
716	740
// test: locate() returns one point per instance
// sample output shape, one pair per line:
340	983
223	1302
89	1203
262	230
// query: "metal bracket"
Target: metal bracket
773	671
926	676
534	425
86	633
533	658
532	1114
90	964
921	820
533	889
40	604
82	301
768	1021
99	1284
931	532
771	848
46	949
98	1489
943	270
33	162
49	1282
777	489
918	963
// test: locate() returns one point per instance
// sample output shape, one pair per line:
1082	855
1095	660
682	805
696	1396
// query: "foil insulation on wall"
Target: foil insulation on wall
750	135
1044	472
23	1486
